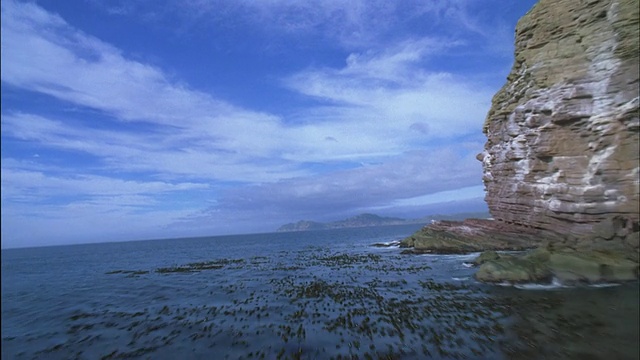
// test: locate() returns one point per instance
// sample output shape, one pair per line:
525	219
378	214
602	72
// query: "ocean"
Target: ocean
304	295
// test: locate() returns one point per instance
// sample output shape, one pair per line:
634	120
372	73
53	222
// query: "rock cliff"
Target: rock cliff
561	162
562	144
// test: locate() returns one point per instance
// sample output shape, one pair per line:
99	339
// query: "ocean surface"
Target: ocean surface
303	295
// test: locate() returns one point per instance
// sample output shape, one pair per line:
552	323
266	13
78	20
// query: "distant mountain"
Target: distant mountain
366	220
362	220
457	216
302	225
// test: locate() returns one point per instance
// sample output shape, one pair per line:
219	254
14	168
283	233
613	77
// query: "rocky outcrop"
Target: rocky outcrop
563	133
471	235
367	220
562	159
565	265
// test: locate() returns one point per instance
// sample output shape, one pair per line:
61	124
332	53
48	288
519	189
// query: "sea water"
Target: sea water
309	295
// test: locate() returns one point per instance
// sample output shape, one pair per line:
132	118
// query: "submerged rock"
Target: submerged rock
567	265
513	269
592	266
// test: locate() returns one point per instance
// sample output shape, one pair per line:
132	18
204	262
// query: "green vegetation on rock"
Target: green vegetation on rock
566	265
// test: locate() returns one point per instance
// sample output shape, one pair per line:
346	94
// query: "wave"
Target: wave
604	285
533	286
555	284
468	256
387	244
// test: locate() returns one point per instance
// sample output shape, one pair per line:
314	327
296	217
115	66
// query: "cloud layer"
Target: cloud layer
122	141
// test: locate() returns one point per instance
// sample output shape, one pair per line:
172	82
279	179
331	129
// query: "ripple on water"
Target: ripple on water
297	298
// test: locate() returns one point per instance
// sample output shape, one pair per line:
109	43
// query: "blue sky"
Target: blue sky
126	120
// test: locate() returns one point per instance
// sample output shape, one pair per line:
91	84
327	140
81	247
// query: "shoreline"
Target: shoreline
540	257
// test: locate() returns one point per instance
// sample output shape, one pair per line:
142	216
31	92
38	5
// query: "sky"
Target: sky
143	119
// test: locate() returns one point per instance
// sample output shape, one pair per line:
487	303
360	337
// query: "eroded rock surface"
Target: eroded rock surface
563	133
470	235
562	159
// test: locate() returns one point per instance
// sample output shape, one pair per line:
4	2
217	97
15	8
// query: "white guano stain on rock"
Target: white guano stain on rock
563	133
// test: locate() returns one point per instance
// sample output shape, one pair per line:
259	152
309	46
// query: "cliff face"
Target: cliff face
563	133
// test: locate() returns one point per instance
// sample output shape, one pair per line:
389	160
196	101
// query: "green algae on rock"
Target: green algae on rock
566	265
471	235
486	256
513	268
592	266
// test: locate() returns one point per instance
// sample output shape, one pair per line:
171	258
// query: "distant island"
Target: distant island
367	220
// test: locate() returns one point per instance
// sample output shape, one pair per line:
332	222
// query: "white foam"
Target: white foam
534	286
555	284
604	285
454	256
387	244
460	278
469	256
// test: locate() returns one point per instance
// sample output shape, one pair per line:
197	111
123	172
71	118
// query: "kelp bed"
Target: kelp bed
319	304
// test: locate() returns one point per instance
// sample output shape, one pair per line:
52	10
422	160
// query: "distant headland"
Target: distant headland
367	220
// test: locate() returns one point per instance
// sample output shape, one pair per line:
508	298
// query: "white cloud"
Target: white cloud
74	67
195	128
391	94
389	114
43	209
91	222
18	183
464	193
168	153
409	175
398	186
354	24
383	108
46	55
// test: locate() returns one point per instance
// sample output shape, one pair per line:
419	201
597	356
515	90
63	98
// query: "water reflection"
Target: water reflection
576	323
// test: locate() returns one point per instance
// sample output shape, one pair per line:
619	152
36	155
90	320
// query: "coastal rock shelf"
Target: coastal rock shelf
561	162
470	235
